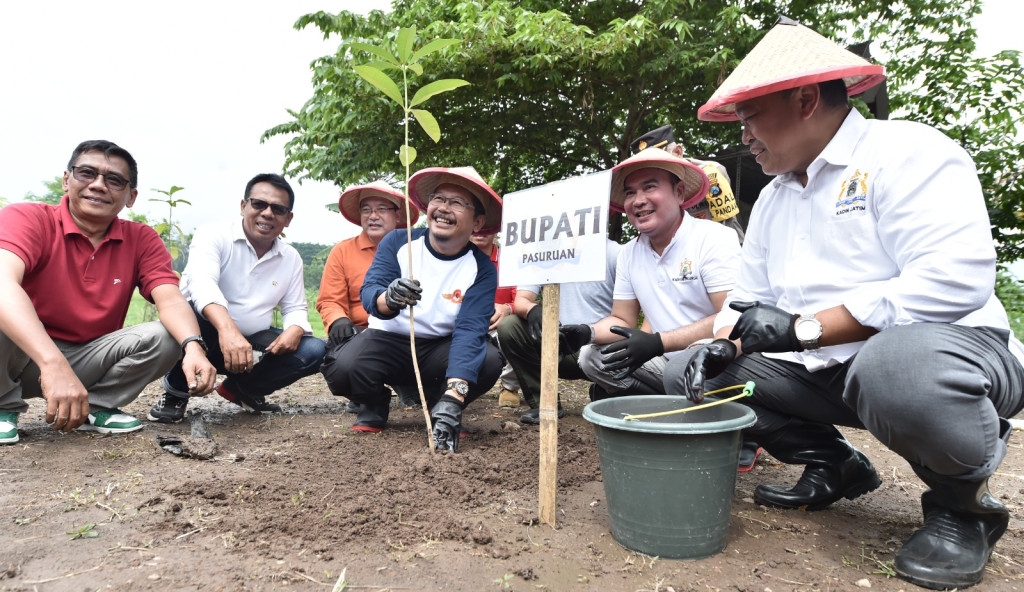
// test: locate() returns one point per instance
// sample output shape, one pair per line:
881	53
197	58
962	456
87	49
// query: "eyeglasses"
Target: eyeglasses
380	210
87	175
259	205
457	205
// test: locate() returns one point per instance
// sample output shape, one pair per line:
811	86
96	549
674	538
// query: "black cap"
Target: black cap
658	138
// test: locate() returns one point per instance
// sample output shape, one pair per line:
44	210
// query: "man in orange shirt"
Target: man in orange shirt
379	209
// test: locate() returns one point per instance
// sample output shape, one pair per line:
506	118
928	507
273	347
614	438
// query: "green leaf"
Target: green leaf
377	51
436	87
406	154
435	45
418	69
428	123
381	81
406	37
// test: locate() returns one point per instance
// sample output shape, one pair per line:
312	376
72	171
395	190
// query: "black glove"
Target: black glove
764	328
709	361
632	352
572	338
447	418
533	322
341	331
401	293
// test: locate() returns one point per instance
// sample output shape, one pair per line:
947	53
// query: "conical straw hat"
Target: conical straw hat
348	202
789	55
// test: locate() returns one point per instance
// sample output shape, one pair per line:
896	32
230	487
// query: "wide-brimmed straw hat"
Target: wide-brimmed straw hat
695	182
789	55
424	182
350	199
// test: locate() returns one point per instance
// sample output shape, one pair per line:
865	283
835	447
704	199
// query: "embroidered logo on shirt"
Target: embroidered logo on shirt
853	195
273	283
455	297
685	272
117	281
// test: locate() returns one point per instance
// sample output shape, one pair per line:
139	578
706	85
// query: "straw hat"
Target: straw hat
350	199
789	55
424	182
695	182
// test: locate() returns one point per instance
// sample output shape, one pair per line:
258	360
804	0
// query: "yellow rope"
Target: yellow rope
748	390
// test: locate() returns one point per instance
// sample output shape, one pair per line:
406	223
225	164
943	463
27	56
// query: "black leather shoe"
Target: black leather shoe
821	485
532	417
962	522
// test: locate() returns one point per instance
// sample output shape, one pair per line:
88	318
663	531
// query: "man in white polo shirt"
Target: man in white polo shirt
677	272
238	272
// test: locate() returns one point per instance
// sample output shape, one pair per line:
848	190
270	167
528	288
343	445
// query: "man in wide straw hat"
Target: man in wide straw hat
450	286
865	299
378	208
677	271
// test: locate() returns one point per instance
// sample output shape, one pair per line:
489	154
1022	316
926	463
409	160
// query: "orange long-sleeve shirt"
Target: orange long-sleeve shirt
343	277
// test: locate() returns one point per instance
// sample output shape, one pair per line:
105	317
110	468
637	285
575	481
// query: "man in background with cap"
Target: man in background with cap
378	208
677	271
238	272
450	287
865	299
720	204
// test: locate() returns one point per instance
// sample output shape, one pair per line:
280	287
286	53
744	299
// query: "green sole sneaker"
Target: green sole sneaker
111	421
8	428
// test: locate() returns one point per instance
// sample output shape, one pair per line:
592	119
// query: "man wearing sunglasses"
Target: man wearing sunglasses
238	272
67	275
448	292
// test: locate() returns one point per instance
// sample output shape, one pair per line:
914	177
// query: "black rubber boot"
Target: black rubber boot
834	468
962	522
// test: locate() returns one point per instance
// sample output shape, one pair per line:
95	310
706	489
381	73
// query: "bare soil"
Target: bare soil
297	501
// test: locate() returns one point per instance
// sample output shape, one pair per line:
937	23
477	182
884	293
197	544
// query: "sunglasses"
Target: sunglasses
259	205
87	175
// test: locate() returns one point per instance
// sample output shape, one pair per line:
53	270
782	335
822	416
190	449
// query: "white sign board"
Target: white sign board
555	233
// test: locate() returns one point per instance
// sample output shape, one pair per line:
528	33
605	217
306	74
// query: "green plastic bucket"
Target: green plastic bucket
669	480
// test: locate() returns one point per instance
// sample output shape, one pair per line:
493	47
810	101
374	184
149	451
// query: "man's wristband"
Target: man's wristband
190	339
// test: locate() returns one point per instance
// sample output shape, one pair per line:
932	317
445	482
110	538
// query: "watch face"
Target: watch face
808	329
460	387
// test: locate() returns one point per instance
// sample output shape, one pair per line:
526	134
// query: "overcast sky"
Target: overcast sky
188	87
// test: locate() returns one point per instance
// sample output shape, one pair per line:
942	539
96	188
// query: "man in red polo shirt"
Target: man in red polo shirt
67	274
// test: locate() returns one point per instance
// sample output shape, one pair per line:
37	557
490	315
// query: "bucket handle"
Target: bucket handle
748	390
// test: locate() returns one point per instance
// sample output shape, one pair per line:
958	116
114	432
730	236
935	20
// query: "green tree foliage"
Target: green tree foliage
54	192
560	88
314	257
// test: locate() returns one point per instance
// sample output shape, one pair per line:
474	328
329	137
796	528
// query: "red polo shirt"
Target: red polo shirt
81	292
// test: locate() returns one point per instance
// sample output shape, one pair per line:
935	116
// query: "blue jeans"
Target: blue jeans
271	373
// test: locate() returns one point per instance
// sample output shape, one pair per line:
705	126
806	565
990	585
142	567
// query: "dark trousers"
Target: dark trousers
933	393
523	353
362	367
271	373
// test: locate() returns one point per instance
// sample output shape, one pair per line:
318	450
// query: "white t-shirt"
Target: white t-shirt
672	288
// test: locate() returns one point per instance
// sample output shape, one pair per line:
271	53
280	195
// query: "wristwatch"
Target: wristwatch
808	331
459	386
195	338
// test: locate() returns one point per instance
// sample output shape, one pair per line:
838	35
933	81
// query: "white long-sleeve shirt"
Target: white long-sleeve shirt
223	269
892	224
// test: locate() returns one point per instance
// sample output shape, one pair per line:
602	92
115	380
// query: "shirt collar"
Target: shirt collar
363	242
838	151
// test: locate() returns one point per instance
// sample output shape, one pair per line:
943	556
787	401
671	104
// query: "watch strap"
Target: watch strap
196	338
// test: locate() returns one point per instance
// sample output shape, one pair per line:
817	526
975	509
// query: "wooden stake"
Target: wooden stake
547	482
